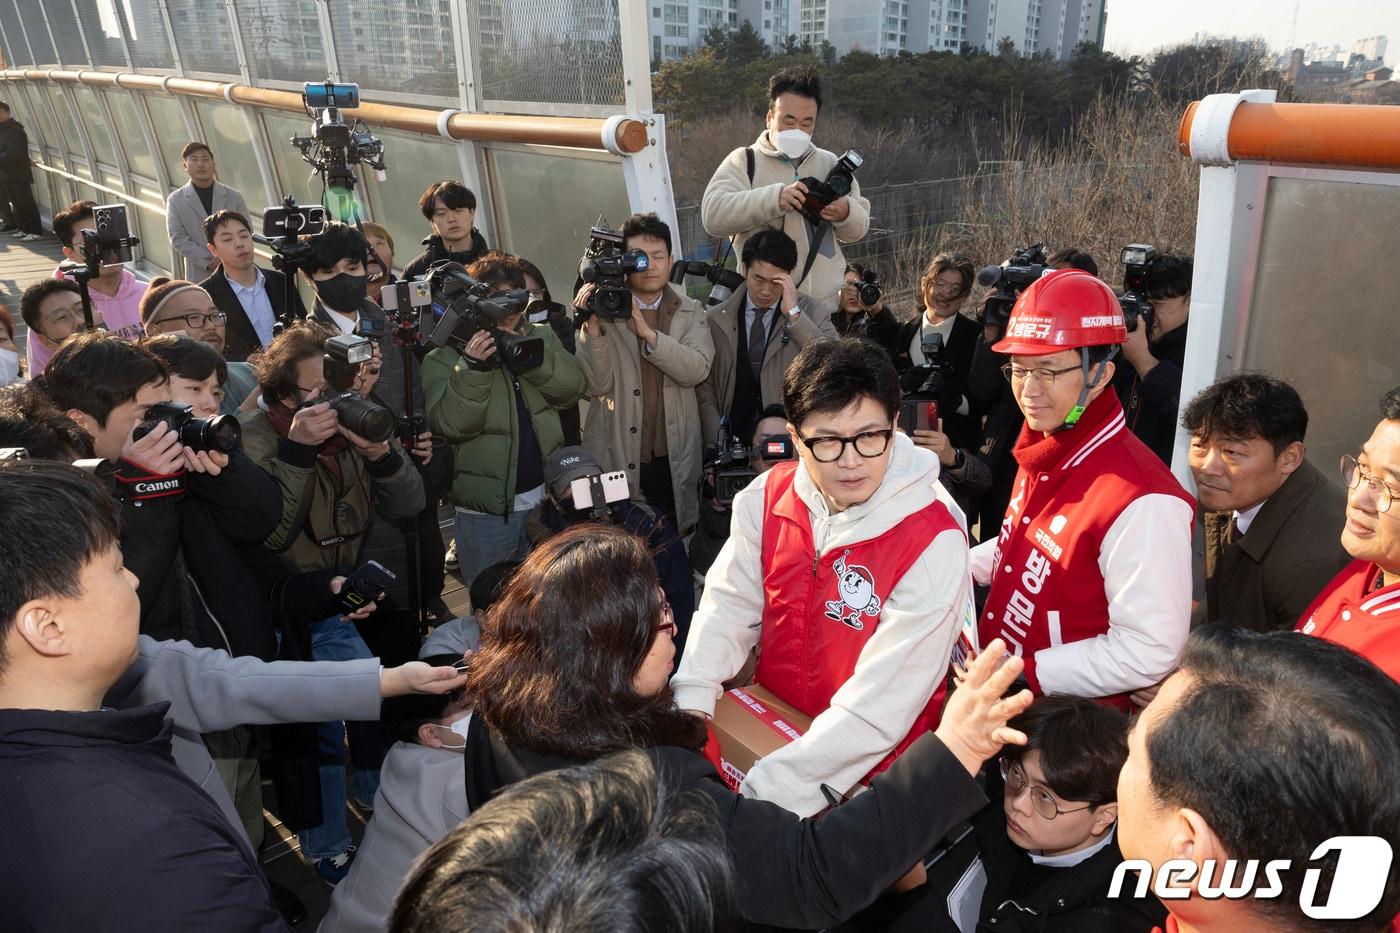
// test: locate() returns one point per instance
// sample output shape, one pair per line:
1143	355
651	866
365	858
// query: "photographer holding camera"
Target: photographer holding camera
501	423
1150	385
757	332
762	186
642	373
861	310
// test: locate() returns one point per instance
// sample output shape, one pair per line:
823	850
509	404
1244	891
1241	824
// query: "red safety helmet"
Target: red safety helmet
1063	310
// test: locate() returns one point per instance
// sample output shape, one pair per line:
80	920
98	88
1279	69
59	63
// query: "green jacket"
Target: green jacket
476	412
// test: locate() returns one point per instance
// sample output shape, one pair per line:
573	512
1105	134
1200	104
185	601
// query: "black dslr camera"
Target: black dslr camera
219	433
722	280
463	306
1010	279
1136	258
345	354
834	187
922	387
607	266
868	288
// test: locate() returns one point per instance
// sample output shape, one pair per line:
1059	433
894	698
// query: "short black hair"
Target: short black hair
96	371
214	221
65	222
4	106
647	225
1390	405
1245	405
1283	741
454	196
1069	256
34	296
188	358
614	844
856	267
802	81
831	375
29	419
334	243
771	246
1082	746
191	148
56	520
490	584
1168	277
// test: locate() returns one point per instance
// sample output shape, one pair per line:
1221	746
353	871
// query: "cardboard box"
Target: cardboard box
751	722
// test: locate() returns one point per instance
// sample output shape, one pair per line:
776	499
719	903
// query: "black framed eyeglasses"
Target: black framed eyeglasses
1354	474
828	449
196	320
1041	798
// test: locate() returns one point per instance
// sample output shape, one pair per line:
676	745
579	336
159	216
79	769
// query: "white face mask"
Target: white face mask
793	143
9	367
458	728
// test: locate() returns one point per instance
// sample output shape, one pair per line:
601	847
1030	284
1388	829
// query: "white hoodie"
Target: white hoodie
900	666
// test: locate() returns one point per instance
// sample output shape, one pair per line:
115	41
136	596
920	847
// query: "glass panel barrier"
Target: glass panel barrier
227	136
396	46
1323	319
203	35
31	14
128	130
282	40
98	19
168	123
547	203
95	123
13	28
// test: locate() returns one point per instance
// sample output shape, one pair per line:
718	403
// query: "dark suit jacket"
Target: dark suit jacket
240	339
964	431
1270	574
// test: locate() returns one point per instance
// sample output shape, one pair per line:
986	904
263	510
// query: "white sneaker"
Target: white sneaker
30	237
450	561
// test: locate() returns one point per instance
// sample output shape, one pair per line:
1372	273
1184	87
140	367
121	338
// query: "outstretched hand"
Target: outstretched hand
420	677
974	720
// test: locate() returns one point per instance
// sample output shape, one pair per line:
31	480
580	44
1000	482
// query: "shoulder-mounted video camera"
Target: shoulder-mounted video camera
834	187
1010	279
462	306
729	469
1136	259
606	265
723	281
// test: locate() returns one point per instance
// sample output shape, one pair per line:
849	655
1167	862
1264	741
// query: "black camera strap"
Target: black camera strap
815	235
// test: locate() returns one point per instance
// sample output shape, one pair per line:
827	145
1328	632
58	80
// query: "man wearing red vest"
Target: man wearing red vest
1091	575
848	570
1360	608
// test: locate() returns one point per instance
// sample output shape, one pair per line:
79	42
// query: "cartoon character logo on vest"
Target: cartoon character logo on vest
856	587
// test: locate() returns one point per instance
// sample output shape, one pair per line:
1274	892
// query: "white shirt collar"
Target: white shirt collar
654	305
1070	859
346	324
257	282
1246	518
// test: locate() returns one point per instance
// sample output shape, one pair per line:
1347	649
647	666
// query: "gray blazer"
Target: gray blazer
208	691
184	219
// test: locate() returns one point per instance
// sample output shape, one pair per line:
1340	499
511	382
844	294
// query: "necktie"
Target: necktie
758	340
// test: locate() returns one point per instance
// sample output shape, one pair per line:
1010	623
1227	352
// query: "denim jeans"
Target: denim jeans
483	540
334	639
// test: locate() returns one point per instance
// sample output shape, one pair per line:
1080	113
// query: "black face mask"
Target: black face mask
344	293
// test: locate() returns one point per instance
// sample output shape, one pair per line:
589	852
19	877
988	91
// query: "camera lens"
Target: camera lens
218	433
364	418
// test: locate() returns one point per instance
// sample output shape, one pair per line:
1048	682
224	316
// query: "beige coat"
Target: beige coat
733	207
612	369
716	394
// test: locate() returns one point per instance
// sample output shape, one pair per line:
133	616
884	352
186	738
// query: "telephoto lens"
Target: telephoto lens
221	433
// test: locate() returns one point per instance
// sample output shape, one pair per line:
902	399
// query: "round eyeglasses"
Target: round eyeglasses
1041	798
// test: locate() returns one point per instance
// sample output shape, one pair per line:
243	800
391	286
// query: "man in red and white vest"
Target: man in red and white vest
1091	575
848	569
1360	608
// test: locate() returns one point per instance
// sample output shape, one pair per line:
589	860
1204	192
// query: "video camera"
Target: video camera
1010	279
923	386
219	433
345	354
463	306
334	145
607	266
834	187
868	289
730	471
1136	258
723	281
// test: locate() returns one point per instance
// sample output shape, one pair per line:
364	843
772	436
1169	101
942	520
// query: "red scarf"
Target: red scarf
1037	453
330	450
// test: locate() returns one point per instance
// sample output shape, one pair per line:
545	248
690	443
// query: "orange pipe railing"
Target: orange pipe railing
1314	134
578	132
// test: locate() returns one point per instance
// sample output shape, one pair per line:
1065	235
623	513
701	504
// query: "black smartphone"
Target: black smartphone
364	586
